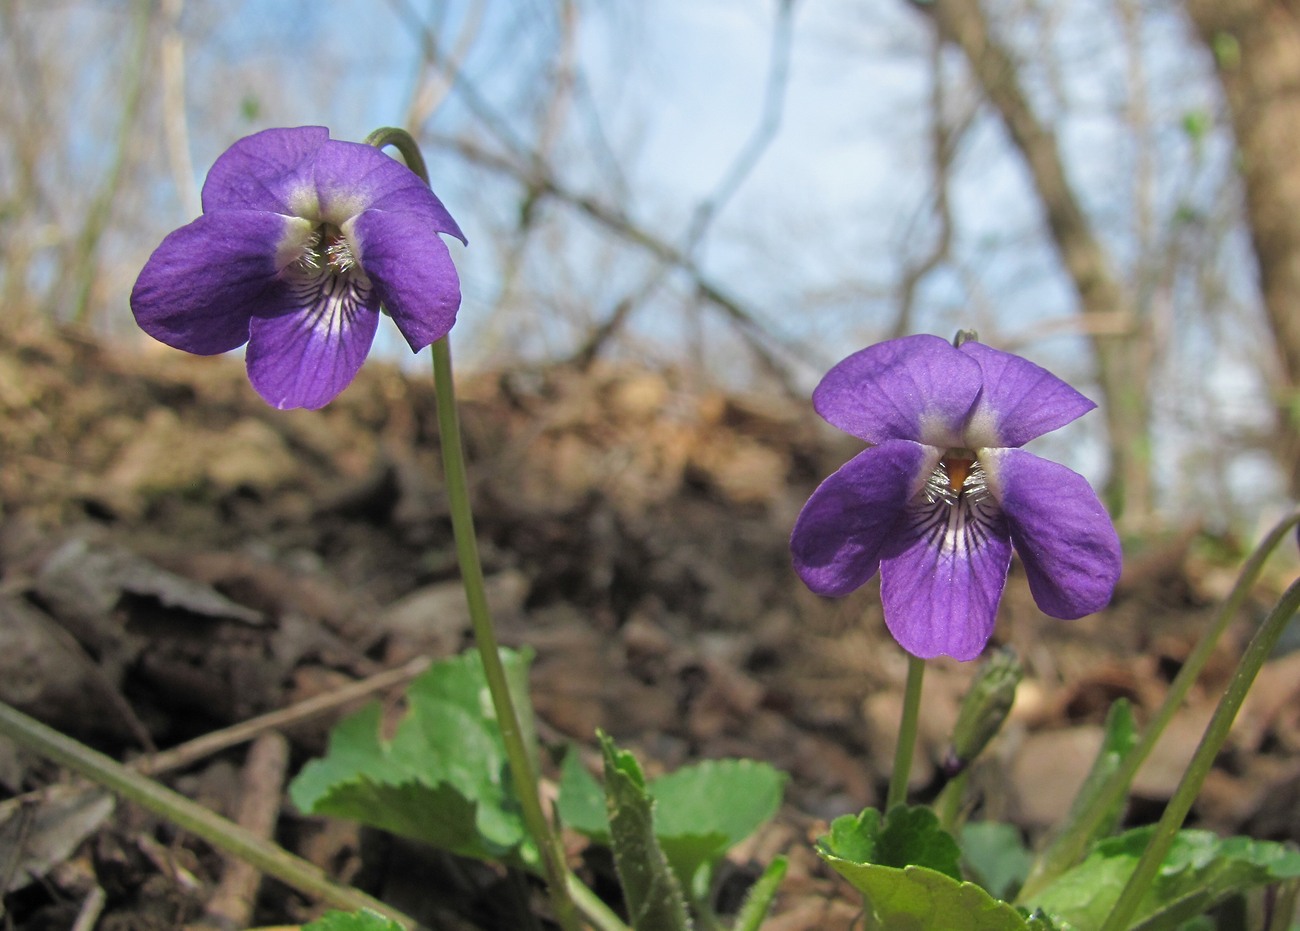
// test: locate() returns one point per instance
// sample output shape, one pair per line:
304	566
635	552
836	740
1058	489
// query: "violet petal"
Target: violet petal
206	280
305	357
265	171
915	388
352	177
942	578
836	541
412	271
1062	532
1020	400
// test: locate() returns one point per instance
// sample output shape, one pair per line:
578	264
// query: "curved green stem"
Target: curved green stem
522	770
225	835
907	728
600	915
1069	845
1257	652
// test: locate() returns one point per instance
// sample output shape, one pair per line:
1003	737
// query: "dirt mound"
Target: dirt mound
175	557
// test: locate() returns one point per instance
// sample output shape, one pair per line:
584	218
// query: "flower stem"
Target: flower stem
907	728
1257	652
522	770
225	835
1069	845
462	523
600	915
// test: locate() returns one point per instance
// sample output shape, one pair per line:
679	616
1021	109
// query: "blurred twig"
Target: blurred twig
943	148
85	259
176	126
530	165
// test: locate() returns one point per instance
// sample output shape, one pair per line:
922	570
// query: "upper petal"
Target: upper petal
915	388
412	272
308	353
265	171
1060	529
206	280
1020	400
838	537
942	579
351	177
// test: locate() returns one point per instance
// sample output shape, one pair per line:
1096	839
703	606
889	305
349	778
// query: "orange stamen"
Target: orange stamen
958	470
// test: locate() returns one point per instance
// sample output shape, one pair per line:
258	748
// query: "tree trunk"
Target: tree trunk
1122	361
1256	45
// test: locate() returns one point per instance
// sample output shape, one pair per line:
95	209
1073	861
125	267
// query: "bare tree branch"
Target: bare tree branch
1256	44
1122	364
943	145
175	122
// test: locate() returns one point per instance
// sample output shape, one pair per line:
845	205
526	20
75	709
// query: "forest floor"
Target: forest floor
176	558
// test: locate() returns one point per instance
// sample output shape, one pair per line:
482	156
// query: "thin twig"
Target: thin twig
216	741
262	782
222	833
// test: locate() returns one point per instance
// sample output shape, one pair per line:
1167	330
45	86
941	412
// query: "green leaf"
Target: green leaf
442	778
1119	739
758	901
364	920
908	836
650	888
906	867
581	802
701	811
994	855
915	897
1200	871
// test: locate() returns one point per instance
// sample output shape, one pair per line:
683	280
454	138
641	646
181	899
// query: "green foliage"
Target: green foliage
920	898
442	779
1227	50
906	867
650	887
353	921
758	901
701	811
908	836
1200	871
1197	124
1119	740
994	855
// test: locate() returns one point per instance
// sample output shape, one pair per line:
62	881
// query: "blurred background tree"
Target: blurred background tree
747	191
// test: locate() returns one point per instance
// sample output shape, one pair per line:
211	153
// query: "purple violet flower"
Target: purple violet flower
301	240
944	492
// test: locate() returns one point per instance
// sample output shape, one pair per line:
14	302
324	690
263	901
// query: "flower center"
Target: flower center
327	250
957	478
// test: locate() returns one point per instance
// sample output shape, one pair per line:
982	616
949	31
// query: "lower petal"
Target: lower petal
1060	529
943	578
201	287
837	540
305	357
412	272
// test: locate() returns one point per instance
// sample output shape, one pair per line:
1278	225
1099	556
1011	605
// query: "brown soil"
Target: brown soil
175	558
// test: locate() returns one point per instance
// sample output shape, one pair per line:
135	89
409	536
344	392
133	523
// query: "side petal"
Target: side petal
915	388
412	271
943	578
206	280
1020	400
352	177
269	170
305	356
838	537
1060	529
